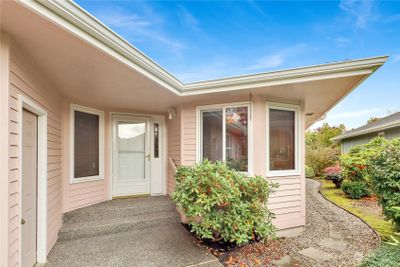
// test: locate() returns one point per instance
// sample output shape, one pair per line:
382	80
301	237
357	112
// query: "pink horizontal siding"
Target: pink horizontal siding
24	80
189	135
173	147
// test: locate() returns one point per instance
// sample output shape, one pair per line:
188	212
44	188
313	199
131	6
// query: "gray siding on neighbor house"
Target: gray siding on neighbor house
348	143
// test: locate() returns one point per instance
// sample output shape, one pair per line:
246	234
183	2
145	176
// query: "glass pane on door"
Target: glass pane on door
131	150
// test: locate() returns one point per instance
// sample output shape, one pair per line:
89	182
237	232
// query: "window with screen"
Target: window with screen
86	147
86	141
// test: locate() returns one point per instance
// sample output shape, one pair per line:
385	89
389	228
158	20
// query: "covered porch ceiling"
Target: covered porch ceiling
85	61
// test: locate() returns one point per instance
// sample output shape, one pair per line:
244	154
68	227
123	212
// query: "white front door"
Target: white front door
131	156
29	191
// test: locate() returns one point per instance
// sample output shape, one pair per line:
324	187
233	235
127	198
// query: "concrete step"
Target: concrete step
78	230
119	208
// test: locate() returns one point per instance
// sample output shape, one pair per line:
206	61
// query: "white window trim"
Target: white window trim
223	106
72	179
296	109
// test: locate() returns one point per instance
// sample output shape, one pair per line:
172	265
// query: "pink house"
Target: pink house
86	117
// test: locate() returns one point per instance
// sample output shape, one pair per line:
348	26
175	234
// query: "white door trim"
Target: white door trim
142	119
28	104
163	148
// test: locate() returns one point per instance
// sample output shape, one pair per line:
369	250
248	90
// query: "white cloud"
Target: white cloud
351	119
135	27
188	19
257	8
276	59
121	19
267	62
362	11
215	68
353	114
342	41
396	58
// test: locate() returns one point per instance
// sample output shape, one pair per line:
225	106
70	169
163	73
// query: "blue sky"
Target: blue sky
198	40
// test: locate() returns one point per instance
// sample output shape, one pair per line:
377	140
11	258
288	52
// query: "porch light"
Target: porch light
171	113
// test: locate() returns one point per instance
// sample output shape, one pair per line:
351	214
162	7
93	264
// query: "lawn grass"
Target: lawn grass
383	227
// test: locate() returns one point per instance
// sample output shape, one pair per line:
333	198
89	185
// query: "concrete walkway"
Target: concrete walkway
127	232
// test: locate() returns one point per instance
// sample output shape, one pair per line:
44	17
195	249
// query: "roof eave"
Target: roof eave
72	17
76	20
304	74
367	131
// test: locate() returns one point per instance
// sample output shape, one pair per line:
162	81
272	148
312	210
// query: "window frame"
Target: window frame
72	179
224	106
284	107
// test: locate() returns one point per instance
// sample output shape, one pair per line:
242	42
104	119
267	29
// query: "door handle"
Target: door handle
23	221
148	156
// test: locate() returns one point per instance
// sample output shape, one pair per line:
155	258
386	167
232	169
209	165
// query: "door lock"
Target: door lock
23	221
148	157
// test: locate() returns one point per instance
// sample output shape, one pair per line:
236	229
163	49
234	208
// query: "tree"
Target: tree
372	119
321	150
322	136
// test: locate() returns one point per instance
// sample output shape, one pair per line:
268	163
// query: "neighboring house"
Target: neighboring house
387	127
86	117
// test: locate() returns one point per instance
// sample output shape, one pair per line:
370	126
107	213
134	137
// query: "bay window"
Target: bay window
224	135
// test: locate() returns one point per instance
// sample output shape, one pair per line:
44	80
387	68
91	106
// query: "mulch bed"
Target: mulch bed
257	254
252	254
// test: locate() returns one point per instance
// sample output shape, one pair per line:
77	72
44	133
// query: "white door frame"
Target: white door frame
41	235
163	150
146	184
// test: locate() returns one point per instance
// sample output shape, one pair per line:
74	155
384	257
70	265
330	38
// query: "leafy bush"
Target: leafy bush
320	158
321	150
222	204
309	172
394	241
385	256
354	164
384	168
356	189
333	174
237	164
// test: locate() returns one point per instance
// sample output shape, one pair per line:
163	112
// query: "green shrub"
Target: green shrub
356	189
354	164
384	169
309	172
385	256
394	241
222	204
320	158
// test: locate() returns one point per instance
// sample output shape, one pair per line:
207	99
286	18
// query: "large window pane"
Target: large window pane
236	148
281	139
131	150
212	135
86	144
